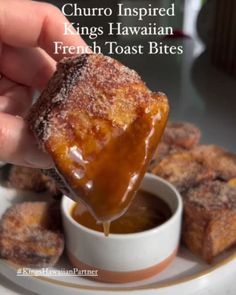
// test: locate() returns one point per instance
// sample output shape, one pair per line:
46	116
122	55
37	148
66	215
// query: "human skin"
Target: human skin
27	32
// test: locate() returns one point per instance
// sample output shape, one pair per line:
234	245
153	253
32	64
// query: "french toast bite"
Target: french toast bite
101	125
30	234
217	159
206	177
32	179
184	170
178	137
209	225
181	134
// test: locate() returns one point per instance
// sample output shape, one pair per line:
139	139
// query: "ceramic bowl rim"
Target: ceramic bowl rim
174	217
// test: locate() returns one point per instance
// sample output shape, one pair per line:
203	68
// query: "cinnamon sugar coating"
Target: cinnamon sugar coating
30	234
212	195
32	179
96	84
209	226
101	125
186	169
177	137
181	134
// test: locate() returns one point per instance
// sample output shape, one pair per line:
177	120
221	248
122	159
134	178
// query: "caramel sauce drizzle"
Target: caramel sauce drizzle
106	228
106	180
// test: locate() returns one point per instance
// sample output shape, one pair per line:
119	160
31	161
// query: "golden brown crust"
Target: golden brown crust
212	196
32	179
183	170
181	134
209	225
189	168
178	137
163	150
30	234
217	159
54	96
93	119
96	85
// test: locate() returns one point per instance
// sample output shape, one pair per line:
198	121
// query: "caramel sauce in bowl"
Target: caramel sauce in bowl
137	254
145	212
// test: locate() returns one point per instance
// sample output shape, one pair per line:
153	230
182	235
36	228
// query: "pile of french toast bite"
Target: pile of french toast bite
205	176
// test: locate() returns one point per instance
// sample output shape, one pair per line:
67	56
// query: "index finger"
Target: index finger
34	24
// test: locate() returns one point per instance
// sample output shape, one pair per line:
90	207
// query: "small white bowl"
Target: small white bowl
122	258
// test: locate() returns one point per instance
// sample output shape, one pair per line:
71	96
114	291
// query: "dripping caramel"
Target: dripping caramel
101	125
108	180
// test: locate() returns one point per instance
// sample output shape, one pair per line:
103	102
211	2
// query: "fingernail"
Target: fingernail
39	159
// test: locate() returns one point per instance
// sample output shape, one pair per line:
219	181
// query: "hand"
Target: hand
27	32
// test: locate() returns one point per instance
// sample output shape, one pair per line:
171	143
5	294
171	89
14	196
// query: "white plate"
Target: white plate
186	275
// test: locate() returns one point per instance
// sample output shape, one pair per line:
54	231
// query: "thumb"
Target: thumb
18	145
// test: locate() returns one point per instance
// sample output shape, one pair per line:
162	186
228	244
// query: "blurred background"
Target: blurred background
201	83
